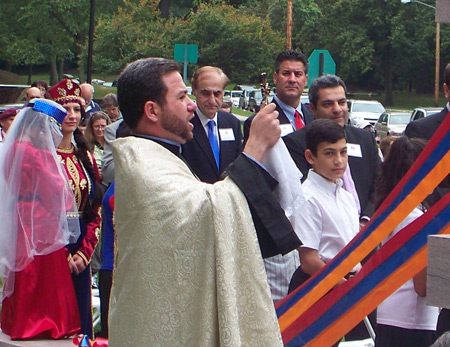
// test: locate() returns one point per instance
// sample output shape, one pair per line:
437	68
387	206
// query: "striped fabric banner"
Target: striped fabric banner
432	166
401	258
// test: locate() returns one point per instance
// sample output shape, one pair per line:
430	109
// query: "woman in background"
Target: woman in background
95	135
81	168
39	299
404	319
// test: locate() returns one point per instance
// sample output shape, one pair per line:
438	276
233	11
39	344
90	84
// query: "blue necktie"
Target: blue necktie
213	141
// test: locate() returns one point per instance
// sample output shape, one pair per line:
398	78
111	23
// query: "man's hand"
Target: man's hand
76	264
264	132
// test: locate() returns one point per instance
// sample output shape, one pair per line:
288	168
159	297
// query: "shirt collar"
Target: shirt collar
331	187
172	146
289	111
205	119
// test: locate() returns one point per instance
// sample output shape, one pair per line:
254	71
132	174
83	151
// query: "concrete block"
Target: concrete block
438	271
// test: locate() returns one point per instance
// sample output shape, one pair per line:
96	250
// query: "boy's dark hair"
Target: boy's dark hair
322	130
293	56
140	82
322	82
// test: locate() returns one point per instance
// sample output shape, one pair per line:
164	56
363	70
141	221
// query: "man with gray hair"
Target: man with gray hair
111	105
217	134
33	93
87	92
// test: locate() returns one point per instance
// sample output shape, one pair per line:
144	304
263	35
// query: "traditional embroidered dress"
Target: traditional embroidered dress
189	270
82	187
37	204
43	304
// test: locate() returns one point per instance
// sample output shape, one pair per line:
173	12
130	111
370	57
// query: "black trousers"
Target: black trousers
83	291
359	332
443	323
390	336
105	283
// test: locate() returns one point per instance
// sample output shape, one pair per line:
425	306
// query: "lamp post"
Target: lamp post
438	35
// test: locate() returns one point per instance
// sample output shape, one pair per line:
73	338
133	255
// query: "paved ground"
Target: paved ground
5	341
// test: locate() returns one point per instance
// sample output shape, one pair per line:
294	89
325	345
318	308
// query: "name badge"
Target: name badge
286	129
354	150
226	134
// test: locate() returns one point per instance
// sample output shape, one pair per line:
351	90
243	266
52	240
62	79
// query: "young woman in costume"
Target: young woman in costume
37	224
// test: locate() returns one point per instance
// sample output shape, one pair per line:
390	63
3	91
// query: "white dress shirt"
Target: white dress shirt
205	120
329	216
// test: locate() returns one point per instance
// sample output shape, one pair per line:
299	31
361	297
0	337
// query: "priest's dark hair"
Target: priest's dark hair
140	82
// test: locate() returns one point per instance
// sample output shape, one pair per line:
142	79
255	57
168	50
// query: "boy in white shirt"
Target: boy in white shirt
329	214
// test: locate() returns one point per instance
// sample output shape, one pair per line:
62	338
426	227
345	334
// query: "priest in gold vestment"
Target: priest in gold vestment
189	270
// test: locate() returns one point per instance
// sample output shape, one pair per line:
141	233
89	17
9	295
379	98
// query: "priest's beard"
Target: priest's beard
177	126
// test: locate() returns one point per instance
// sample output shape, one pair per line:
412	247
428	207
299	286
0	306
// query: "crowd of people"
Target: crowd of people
192	226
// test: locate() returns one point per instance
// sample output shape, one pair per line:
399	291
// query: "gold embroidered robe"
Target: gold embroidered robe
189	270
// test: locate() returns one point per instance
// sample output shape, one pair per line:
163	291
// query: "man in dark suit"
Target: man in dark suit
425	128
290	78
328	99
209	159
327	96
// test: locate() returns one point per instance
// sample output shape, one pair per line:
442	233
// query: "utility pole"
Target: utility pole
289	25
437	63
91	42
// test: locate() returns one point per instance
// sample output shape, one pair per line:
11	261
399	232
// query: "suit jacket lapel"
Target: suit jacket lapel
307	114
281	115
202	140
225	146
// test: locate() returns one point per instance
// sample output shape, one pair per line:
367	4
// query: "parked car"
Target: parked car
423	112
12	95
97	81
233	96
304	99
255	99
391	124
364	110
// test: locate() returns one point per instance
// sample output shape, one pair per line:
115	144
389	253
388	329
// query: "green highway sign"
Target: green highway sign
186	54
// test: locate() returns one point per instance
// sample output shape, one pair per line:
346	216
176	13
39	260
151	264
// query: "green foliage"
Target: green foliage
241	44
377	44
134	32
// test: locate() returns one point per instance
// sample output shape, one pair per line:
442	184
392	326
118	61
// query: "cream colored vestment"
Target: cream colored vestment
189	270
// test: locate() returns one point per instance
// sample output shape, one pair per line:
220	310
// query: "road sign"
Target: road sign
442	11
186	54
320	62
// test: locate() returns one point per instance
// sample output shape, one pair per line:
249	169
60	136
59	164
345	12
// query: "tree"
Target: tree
32	40
136	31
242	45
